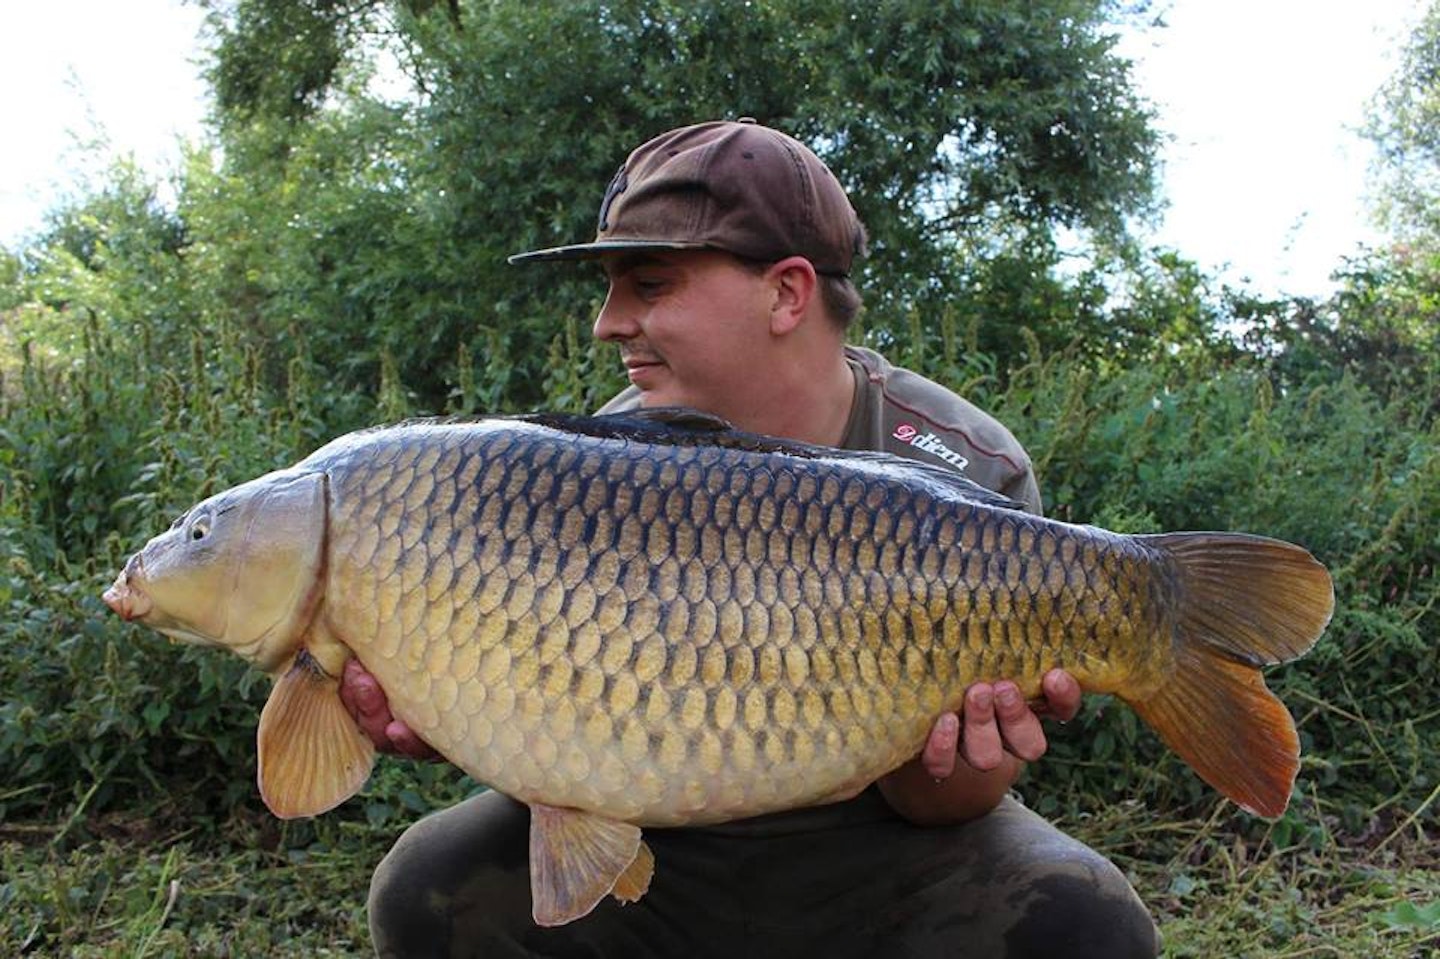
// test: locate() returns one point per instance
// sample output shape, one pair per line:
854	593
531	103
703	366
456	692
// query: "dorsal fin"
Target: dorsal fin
678	417
953	481
682	426
658	420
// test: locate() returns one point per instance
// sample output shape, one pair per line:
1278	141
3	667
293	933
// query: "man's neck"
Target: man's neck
808	401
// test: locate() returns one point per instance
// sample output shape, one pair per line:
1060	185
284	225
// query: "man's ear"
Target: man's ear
795	285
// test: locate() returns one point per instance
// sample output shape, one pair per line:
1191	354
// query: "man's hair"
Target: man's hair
841	299
838	294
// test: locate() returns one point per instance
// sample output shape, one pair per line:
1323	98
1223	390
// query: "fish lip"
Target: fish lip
124	595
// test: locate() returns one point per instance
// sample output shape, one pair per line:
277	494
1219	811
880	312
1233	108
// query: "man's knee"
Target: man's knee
1083	908
1021	888
452	882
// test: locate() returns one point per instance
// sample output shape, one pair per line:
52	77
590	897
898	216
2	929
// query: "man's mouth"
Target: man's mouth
638	364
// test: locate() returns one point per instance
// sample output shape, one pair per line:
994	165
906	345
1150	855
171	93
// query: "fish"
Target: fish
653	619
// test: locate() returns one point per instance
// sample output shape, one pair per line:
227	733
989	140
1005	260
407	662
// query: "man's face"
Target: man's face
692	327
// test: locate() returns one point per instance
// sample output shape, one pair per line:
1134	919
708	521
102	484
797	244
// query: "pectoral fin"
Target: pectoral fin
577	857
312	756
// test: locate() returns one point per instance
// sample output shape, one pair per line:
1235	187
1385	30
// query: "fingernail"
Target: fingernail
367	693
948	723
1008	696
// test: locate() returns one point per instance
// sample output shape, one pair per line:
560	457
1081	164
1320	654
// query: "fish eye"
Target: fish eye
200	527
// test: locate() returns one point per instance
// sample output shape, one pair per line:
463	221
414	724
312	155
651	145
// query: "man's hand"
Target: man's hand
370	709
997	720
998	734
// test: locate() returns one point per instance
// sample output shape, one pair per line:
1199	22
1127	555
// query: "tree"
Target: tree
1384	324
1404	124
967	133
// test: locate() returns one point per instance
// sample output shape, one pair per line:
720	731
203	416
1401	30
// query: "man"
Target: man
728	248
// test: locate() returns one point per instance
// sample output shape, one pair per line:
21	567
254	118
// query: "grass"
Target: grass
1223	886
1284	890
139	890
142	889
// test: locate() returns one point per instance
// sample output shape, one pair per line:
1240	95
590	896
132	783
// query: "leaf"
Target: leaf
1406	915
1182	885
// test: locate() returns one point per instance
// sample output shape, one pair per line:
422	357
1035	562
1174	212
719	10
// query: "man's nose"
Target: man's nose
614	322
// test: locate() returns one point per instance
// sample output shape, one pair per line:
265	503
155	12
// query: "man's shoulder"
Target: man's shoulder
912	415
622	402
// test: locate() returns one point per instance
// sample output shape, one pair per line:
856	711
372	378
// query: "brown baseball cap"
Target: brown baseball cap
728	185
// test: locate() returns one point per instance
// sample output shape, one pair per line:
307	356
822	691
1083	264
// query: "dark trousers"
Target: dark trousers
846	880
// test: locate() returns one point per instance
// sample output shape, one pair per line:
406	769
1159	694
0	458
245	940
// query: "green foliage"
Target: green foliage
1326	463
143	891
279	60
1383	327
1405	915
966	133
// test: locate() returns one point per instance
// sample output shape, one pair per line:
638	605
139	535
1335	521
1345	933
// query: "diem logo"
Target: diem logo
930	443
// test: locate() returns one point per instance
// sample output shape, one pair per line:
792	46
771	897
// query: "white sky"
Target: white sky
75	70
1265	175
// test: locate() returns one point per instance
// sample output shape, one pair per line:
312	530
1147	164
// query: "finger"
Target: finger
980	743
347	687
1020	728
404	741
1062	694
369	706
938	757
371	698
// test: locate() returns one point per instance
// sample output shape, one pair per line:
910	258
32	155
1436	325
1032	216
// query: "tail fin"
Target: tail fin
1244	601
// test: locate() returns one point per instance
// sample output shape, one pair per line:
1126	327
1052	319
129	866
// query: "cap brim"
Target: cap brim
589	251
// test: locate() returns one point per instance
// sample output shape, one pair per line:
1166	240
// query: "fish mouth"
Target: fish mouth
124	595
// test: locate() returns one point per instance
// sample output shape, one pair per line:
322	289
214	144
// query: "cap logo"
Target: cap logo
618	185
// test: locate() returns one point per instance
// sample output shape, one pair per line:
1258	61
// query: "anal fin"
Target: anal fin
312	756
577	857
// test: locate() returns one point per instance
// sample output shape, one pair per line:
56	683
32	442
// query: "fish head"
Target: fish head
241	570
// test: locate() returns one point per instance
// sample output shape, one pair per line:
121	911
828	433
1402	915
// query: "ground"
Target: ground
149	886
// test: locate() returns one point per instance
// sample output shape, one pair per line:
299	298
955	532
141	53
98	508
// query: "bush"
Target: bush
1326	464
100	450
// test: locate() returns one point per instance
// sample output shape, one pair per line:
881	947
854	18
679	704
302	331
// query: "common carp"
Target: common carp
650	619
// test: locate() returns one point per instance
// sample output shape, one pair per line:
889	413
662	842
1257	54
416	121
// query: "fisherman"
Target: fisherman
729	248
